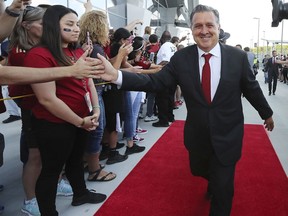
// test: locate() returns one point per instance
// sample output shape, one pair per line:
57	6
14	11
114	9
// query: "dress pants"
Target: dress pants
272	77
220	179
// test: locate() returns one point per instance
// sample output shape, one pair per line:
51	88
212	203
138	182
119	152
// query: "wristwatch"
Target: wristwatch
11	13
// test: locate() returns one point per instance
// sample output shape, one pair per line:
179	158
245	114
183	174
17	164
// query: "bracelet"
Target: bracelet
96	107
82	124
11	13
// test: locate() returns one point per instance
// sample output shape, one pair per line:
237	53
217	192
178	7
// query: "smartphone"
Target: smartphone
88	38
130	39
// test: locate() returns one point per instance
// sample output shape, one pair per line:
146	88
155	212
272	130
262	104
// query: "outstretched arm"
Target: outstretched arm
110	73
130	27
9	16
84	67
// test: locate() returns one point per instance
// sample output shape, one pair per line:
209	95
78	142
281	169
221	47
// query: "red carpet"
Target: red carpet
162	185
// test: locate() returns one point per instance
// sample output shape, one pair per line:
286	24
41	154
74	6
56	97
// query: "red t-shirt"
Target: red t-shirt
70	90
16	58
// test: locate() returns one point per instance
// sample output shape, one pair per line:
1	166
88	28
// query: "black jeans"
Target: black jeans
59	145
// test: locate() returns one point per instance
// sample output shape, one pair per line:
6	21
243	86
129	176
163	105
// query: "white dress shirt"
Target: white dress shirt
215	67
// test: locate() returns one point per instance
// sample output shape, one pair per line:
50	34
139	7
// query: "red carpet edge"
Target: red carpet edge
161	183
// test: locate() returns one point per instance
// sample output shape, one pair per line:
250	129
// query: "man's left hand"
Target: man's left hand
269	124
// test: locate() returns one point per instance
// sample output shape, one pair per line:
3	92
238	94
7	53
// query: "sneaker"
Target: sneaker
137	139
30	207
151	118
64	188
115	157
141	131
11	118
134	149
90	197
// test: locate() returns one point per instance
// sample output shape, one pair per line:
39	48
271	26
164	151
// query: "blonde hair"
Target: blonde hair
19	36
147	30
95	22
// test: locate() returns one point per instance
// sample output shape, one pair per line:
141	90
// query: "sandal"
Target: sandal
85	164
103	178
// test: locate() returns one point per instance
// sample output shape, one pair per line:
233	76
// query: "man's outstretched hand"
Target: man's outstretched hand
87	67
110	73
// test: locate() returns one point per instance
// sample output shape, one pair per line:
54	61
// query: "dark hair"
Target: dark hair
166	36
203	8
153	38
247	49
51	37
138	44
239	45
121	33
175	39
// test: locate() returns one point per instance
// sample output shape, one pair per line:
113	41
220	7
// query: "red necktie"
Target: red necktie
206	78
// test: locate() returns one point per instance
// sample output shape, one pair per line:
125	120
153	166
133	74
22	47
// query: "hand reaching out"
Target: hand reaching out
110	73
88	6
87	67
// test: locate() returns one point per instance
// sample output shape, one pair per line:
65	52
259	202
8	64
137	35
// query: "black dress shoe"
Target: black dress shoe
269	93
273	93
11	118
160	124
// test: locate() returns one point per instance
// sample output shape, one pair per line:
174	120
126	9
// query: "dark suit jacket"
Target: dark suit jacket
221	122
273	69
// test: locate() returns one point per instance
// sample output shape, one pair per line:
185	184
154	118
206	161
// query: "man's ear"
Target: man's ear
26	25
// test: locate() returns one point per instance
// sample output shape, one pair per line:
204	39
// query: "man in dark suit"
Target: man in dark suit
213	132
272	68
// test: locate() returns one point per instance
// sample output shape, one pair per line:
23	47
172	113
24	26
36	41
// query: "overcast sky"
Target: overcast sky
236	17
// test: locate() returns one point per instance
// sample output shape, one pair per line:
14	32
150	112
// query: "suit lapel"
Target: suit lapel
195	68
196	74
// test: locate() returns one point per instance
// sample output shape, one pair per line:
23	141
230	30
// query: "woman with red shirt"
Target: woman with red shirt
62	112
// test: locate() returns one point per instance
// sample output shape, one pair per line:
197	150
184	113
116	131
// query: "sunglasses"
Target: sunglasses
27	9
